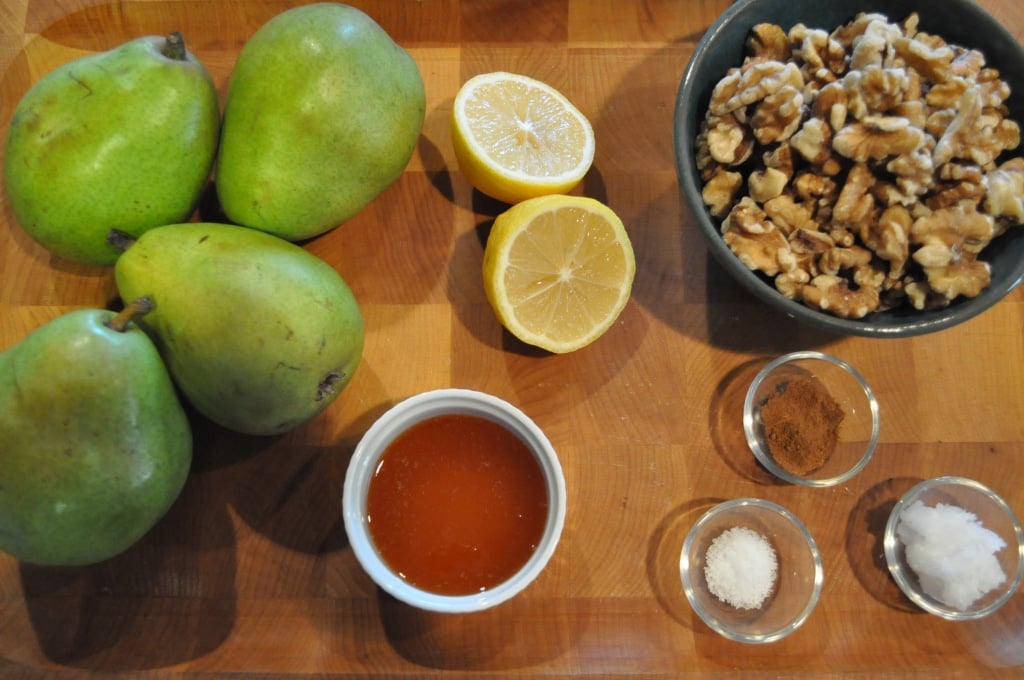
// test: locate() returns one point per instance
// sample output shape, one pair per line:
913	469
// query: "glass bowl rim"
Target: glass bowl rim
896	569
765	458
691	591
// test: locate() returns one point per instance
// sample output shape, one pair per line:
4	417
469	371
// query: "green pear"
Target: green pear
322	114
94	443
123	139
259	334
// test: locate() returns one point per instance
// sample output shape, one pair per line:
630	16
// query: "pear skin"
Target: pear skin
94	444
123	139
322	114
259	334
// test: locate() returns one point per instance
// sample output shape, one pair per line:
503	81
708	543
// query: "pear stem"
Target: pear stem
174	46
133	311
121	240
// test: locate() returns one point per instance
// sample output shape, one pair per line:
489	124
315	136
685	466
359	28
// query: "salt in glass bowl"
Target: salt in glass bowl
858	432
991	511
364	463
798	582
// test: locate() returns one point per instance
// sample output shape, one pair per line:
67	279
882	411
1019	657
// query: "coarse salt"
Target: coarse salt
951	552
740	567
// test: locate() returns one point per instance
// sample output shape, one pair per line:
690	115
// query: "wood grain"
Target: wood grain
250	573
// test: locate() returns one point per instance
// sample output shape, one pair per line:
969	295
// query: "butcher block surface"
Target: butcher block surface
250	574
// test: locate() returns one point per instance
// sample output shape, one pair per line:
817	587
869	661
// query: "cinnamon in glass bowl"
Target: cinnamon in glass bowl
811	419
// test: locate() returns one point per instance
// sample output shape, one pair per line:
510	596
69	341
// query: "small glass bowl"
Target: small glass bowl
993	513
858	433
363	466
798	581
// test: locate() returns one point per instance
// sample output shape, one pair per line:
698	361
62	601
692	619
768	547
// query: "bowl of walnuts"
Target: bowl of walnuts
857	164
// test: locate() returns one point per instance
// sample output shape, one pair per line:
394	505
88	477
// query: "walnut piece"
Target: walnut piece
767	184
966	279
729	142
823	57
930	60
876	138
873	47
835	294
813	141
951	234
751	83
787	215
753	238
1004	191
768	42
720	191
855	202
811	241
950	242
913	176
956	141
777	116
888	237
837	259
875	90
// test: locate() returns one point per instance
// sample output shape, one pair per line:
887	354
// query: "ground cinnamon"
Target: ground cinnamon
801	424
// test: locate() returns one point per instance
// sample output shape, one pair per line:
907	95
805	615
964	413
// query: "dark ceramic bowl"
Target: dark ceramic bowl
960	22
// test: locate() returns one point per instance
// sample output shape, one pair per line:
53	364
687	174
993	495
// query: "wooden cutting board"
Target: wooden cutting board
251	573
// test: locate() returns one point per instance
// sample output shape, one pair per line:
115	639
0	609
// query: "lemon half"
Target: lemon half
517	138
558	270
